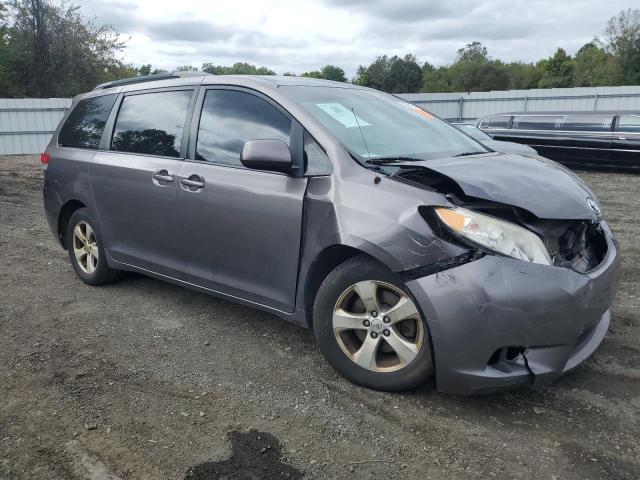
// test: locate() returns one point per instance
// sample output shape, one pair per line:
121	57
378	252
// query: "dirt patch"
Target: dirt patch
146	380
254	455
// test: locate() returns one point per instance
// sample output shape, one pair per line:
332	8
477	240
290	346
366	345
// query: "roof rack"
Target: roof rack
150	78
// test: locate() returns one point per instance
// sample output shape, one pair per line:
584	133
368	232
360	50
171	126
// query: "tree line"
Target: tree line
50	49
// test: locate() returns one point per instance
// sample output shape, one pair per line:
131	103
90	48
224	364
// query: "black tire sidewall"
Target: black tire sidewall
102	274
344	276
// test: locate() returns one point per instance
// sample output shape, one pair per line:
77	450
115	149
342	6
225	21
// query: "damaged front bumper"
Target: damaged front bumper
498	322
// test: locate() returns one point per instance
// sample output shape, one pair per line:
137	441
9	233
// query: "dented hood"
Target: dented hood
544	188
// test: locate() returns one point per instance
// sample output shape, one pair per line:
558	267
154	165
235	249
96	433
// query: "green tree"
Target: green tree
595	67
331	72
328	72
622	37
522	76
435	79
473	52
361	77
238	68
144	70
375	74
558	71
404	75
52	50
7	57
473	71
312	74
394	75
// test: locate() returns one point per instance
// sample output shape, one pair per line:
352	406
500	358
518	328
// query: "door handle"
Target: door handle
163	176
622	138
193	183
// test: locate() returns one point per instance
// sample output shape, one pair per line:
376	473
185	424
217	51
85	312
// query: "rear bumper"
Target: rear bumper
552	317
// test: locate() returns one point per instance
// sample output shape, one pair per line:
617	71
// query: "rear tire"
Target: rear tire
381	342
86	252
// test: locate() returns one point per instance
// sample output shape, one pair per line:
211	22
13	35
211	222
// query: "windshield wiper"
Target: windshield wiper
389	160
466	154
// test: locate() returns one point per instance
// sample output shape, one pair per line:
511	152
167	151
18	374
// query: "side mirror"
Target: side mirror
272	155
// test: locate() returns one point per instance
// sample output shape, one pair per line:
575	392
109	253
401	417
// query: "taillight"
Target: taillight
44	158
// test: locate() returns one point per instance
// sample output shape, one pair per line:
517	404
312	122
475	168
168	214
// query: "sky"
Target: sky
303	35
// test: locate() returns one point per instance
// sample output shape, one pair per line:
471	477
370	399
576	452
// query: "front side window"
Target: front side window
230	118
377	125
152	123
629	123
85	124
496	122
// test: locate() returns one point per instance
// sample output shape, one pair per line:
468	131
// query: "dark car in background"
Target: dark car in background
491	143
407	247
603	139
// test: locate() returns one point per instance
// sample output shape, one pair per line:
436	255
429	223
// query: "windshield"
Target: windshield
377	125
475	132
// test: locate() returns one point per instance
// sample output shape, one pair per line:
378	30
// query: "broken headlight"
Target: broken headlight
495	234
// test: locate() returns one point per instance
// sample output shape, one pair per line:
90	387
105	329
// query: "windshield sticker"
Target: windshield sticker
342	114
422	112
416	109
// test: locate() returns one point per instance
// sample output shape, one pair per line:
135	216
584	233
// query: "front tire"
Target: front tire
370	329
86	252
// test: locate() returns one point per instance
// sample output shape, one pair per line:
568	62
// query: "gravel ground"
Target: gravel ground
146	380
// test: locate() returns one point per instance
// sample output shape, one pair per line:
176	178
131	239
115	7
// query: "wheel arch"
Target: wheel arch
323	264
64	216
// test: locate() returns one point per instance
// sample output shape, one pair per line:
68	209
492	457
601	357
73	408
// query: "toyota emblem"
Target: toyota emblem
594	206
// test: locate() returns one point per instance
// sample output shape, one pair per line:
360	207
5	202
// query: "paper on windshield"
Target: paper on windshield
342	114
417	110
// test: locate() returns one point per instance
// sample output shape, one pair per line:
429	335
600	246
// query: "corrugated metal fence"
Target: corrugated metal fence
470	106
26	125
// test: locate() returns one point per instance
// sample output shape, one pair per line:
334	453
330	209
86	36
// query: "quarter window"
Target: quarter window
152	123
230	118
315	159
629	123
85	124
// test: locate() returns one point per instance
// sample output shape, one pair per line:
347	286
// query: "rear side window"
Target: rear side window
587	123
152	123
629	123
538	122
230	118
85	124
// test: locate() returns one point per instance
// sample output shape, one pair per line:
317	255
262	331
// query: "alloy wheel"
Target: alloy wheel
85	247
378	326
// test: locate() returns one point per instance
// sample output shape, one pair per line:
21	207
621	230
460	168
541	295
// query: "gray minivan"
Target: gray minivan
410	249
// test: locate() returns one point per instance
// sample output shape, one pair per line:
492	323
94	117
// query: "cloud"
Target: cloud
119	13
405	11
303	35
188	30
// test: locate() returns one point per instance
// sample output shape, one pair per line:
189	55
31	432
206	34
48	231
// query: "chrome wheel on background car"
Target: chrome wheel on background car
369	327
85	247
378	326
